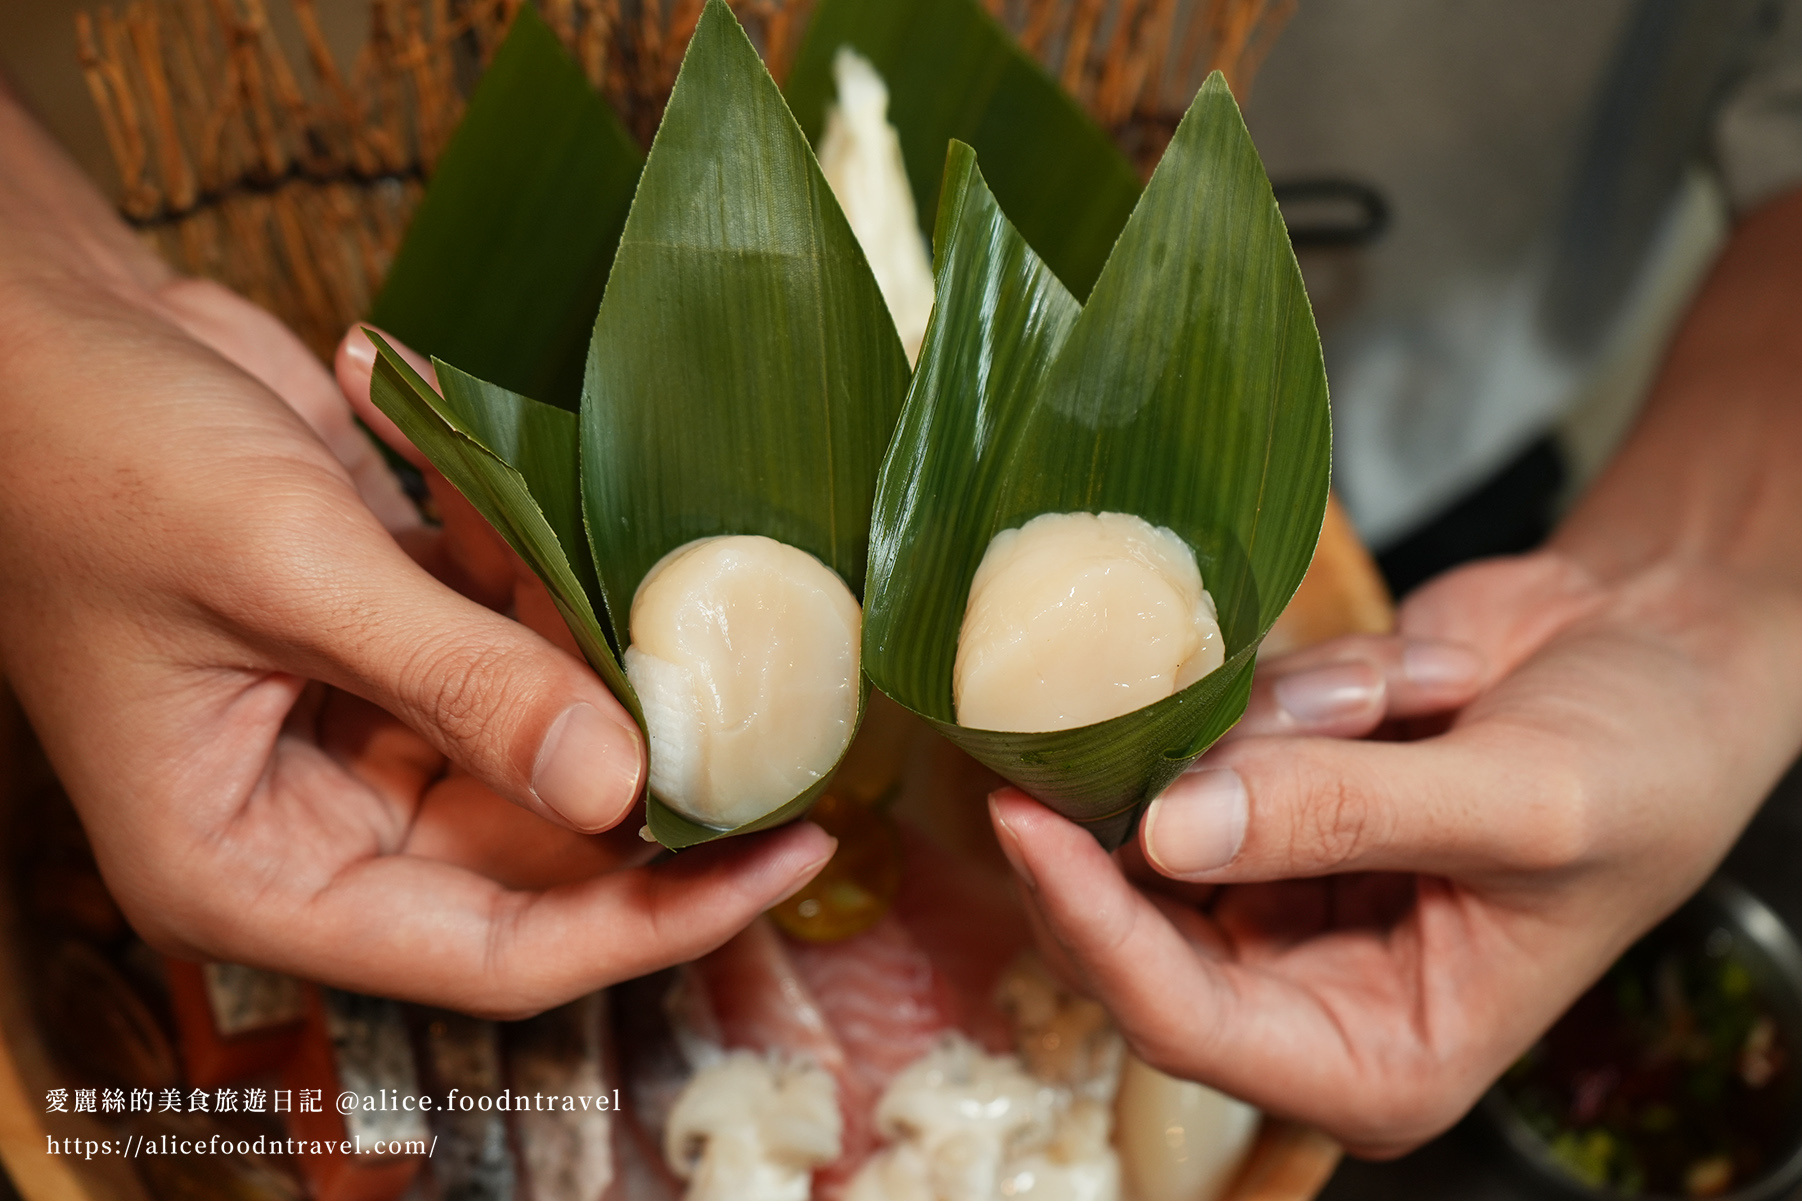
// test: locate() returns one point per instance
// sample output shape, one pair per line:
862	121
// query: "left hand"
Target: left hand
1362	935
290	745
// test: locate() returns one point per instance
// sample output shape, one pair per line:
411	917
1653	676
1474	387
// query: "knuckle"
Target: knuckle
1335	826
1412	1100
1419	1086
162	938
179	918
1162	1054
502	1003
278	570
456	686
1182	1053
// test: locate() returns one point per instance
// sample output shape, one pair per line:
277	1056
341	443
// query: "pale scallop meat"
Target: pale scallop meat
1074	618
744	654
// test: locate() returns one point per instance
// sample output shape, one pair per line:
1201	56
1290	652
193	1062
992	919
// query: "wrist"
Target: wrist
1708	477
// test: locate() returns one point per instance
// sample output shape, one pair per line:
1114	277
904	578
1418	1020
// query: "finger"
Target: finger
1350	1032
1131	958
464	551
1132	861
253	340
1483	799
1205	936
478	563
376	748
1346	687
450	937
534	609
1507	607
1264	921
462	823
1057	960
473	557
454	818
354	364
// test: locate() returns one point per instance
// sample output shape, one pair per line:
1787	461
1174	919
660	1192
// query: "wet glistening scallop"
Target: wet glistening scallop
744	654
1074	618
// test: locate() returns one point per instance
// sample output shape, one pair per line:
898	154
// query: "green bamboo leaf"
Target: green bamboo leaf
514	458
744	375
1190	391
678	832
537	440
1000	319
505	260
954	72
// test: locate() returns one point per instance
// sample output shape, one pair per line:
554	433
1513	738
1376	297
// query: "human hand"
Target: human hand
1362	935
254	695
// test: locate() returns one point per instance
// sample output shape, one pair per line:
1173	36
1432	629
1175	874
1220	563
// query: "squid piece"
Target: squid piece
860	156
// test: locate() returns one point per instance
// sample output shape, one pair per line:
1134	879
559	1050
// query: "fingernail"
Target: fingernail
1326	694
1440	664
805	876
589	767
1010	846
1198	824
359	349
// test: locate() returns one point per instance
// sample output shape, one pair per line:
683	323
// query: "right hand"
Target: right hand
1363	934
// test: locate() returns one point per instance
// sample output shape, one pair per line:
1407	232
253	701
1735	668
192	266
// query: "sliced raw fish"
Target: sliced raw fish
760	1001
867	1007
967	919
887	1005
928	967
882	995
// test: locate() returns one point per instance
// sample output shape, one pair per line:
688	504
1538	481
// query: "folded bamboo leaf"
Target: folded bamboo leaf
954	72
540	442
506	257
744	375
465	434
1189	391
1001	318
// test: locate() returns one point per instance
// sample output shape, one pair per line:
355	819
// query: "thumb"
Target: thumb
530	720
343	604
1506	608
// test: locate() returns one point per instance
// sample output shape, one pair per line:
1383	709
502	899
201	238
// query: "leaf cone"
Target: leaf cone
744	375
1190	390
